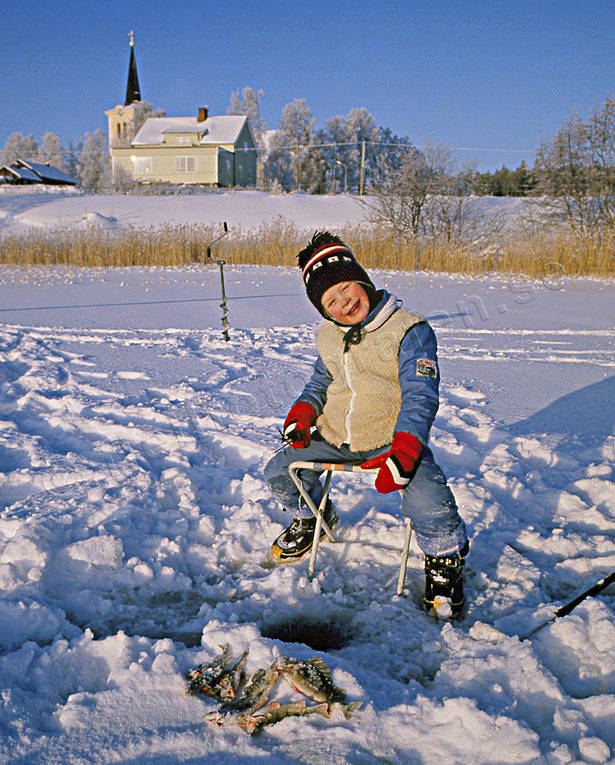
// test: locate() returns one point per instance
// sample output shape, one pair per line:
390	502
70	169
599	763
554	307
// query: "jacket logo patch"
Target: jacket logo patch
427	368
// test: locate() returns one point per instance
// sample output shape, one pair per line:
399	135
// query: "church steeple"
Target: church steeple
133	92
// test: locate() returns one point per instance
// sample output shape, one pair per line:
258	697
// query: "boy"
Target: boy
372	398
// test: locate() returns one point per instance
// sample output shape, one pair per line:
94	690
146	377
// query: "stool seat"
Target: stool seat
329	468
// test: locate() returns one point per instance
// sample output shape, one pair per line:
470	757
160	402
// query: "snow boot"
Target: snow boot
295	541
444	595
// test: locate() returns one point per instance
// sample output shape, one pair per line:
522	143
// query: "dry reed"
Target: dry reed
534	255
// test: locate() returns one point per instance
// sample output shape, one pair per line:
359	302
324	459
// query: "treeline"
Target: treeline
504	182
331	163
575	169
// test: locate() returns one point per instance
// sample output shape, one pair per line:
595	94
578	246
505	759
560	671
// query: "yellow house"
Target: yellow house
217	150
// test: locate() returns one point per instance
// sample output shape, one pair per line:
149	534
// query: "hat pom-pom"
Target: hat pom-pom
319	239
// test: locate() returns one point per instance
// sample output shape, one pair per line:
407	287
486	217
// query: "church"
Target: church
204	149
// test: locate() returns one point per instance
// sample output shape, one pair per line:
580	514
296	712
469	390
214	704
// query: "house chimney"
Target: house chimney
202	113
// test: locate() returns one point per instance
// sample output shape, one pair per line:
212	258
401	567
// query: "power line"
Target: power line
473	148
297	146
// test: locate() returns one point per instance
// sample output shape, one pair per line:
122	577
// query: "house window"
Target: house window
182	139
185	164
142	165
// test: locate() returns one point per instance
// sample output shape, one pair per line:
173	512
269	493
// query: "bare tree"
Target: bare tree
600	129
576	172
398	200
562	166
453	217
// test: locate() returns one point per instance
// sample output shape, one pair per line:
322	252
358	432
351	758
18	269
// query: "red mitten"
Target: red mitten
298	423
397	464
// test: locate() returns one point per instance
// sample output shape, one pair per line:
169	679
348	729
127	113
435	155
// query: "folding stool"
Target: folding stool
329	468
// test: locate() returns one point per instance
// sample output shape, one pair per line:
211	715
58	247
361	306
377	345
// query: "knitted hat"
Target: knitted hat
327	261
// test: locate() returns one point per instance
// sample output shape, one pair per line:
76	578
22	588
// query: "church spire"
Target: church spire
133	92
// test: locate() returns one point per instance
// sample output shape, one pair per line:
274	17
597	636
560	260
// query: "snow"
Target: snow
135	521
245	210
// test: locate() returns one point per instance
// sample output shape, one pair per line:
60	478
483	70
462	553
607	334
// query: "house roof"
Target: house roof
46	173
220	129
22	173
35	172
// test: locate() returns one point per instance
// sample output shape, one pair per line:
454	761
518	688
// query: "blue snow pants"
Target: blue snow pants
427	500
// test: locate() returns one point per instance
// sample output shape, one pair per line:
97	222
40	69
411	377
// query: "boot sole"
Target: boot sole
279	556
433	609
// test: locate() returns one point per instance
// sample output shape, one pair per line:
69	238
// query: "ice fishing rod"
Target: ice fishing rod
572	604
220	263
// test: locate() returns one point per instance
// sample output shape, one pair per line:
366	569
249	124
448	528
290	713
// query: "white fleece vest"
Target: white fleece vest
364	397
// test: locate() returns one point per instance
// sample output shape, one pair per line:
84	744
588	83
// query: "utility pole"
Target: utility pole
362	168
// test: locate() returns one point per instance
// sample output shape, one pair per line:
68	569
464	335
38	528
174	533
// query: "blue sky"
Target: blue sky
478	74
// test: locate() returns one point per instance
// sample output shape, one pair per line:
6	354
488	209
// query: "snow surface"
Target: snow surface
22	210
135	522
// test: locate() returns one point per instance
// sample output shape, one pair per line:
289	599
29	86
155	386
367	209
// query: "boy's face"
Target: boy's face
346	302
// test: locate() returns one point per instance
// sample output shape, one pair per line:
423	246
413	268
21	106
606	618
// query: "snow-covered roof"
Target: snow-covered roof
214	130
22	173
47	173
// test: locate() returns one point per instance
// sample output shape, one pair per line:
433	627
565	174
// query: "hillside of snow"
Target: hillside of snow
135	522
22	209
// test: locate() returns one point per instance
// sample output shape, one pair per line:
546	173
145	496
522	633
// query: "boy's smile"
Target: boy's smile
346	302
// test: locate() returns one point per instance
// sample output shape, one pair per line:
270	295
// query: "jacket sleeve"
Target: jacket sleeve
315	391
419	379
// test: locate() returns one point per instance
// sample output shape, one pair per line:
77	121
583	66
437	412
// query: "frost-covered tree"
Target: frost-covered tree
296	134
142	111
388	155
336	151
351	148
71	157
248	102
93	166
277	168
354	147
19	146
133	118
51	152
364	139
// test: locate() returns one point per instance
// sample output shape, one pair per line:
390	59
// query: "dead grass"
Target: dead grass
534	255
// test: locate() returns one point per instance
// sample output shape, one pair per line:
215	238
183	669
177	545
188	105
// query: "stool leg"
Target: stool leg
319	525
309	502
404	557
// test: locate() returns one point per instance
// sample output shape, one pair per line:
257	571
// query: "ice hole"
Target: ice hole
321	635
